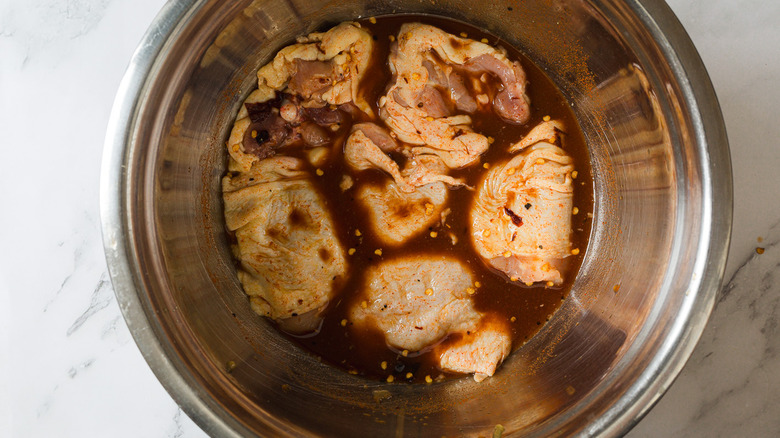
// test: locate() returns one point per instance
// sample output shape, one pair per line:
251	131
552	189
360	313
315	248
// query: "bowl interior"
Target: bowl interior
631	297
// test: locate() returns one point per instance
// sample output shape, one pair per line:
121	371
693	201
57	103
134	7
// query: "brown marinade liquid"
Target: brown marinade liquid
362	351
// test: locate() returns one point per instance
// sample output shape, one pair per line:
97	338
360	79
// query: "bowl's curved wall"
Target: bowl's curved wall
640	301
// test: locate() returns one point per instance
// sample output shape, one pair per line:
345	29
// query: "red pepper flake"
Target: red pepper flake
517	220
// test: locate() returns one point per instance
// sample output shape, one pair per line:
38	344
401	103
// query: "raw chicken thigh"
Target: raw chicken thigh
521	217
410	202
428	61
417	301
479	352
308	86
324	67
290	258
368	146
396	215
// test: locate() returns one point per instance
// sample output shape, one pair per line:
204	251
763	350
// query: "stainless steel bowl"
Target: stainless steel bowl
661	226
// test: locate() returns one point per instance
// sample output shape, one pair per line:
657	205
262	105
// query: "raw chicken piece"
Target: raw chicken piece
417	301
396	215
284	121
325	67
317	156
366	148
521	217
425	169
548	132
412	200
322	72
415	110
290	258
478	352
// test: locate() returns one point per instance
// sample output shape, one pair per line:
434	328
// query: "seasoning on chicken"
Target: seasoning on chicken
307	86
410	202
417	301
365	149
550	131
396	215
368	147
323	67
290	259
426	60
521	217
478	352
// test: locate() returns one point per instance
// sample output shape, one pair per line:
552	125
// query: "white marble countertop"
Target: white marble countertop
68	365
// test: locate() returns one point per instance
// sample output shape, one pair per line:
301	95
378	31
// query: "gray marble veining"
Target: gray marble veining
731	384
